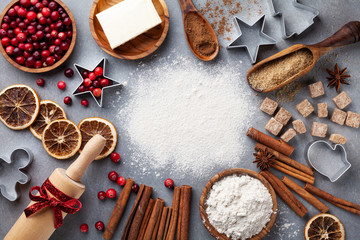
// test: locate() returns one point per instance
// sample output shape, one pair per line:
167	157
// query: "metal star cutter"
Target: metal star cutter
251	37
112	82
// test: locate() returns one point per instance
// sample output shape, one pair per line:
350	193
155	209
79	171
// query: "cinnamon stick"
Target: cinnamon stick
146	219
306	195
184	213
285	159
292	172
168	220
118	209
278	145
135	218
285	193
155	214
175	214
166	212
157	225
349	206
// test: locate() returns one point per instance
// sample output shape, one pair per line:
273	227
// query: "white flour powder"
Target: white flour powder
239	206
185	117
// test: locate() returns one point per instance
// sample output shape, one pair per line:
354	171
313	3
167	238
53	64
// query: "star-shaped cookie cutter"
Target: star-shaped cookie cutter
113	83
249	42
292	6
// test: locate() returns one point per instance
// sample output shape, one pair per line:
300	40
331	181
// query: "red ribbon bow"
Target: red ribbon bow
60	202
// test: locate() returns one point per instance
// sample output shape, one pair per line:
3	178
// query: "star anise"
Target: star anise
263	159
337	77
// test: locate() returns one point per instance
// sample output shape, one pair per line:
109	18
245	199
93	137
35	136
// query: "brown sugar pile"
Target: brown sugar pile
278	71
199	35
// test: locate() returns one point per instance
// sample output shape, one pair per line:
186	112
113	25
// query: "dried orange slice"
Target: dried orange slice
95	125
61	139
324	226
49	111
19	106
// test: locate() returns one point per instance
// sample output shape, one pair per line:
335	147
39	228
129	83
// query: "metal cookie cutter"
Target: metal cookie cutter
251	37
295	17
10	173
81	69
332	164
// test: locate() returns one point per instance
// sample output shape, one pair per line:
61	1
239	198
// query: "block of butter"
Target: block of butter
127	20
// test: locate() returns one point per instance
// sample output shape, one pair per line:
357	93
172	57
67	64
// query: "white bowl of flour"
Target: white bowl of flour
238	204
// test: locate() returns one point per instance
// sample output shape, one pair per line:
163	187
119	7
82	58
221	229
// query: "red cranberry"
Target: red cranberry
21	37
9	50
104	82
31	29
85	74
98	71
20	60
34	2
121	181
91	88
22	25
111	193
69	72
26	21
53	6
38	64
113	176
52	49
40	82
42	20
96	83
69	33
99	225
46	12
58	50
31	16
2	33
61	85
97	92
16	7
64	46
82	88
22	12
87	82
59	26
54	34
92	76
30	61
115	157
84	102
5	41
25	3
29	47
27	54
67	21
84	228
169	183
5	26
135	188
37	55
50	61
11	33
12	12
6	19
39	6
45	53
17	31
39	34
57	57
45	2
17	52
67	100
54	16
62	36
101	195
13	24
21	46
57	42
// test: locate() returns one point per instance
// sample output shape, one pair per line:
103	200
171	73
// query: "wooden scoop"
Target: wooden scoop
349	33
40	226
188	8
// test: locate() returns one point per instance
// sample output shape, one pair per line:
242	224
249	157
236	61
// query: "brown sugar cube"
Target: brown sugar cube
322	110
299	126
316	89
342	100
352	119
337	138
305	108
319	129
274	126
288	135
269	106
283	116
338	116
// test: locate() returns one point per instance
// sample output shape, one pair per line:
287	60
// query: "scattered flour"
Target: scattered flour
239	206
186	117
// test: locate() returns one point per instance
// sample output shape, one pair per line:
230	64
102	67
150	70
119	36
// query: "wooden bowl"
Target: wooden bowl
58	63
239	172
137	48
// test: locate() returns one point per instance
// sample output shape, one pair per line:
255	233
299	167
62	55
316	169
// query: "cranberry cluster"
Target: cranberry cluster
94	82
36	33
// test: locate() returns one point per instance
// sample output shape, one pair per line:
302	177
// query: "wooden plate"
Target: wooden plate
239	172
137	48
58	63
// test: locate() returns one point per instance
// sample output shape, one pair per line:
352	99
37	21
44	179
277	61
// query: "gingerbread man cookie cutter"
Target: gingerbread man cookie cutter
11	174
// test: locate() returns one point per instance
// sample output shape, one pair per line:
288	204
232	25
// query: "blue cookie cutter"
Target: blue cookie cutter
10	172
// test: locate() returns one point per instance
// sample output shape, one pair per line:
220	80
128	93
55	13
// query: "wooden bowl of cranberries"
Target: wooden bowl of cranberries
37	35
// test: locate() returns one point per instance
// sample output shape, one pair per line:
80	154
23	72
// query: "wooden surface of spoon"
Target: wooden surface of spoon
189	10
348	34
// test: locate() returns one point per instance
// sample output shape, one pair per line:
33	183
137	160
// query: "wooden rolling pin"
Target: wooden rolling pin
41	224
